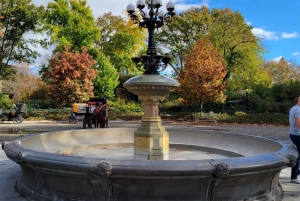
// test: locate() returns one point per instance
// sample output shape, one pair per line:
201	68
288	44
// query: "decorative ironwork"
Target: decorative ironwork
154	19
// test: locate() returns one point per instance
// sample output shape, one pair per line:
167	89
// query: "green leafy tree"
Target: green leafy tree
202	80
107	78
120	41
228	32
240	48
70	77
18	17
70	23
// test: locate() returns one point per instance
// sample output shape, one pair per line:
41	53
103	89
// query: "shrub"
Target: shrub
172	105
5	101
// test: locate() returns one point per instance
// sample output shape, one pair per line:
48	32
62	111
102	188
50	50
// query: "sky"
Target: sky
277	22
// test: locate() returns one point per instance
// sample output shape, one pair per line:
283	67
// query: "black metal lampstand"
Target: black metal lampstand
151	20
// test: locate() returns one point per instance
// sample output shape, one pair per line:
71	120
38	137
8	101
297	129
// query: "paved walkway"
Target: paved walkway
10	171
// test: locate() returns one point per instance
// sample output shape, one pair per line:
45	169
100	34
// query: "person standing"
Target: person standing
294	120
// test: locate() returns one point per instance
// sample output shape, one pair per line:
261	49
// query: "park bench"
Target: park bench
206	117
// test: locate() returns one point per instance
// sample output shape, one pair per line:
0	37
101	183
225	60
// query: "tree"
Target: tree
202	80
70	23
22	84
120	41
70	77
280	72
19	17
239	47
177	38
107	78
228	32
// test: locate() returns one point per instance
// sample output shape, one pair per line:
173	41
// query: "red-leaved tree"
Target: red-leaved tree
202	79
70	77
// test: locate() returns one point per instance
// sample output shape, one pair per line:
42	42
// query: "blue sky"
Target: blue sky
276	21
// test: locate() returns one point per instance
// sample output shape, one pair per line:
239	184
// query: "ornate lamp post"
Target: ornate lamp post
151	20
151	140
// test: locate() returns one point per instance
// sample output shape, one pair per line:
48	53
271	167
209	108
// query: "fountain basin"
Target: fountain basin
249	170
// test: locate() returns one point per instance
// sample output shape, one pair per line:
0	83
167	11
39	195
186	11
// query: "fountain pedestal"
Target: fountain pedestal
151	140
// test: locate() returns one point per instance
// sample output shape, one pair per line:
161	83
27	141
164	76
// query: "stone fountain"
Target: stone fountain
151	140
148	164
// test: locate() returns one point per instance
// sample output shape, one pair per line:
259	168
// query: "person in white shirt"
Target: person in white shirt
294	120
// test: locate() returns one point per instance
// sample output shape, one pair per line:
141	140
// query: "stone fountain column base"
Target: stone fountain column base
151	140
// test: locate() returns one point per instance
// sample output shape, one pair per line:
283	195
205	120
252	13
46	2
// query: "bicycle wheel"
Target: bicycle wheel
17	120
72	120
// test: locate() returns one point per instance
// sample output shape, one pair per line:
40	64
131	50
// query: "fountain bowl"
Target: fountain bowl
51	171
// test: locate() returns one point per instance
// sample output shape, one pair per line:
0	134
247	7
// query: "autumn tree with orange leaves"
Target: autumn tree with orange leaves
70	77
202	79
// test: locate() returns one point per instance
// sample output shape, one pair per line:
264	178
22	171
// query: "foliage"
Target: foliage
130	111
107	78
202	80
228	32
125	110
178	37
5	101
18	17
263	92
41	103
125	106
70	77
48	114
121	92
240	48
70	23
286	91
23	84
258	118
171	105
120	40
280	72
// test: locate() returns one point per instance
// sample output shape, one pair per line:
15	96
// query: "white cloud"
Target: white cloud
180	5
268	35
277	58
296	54
290	35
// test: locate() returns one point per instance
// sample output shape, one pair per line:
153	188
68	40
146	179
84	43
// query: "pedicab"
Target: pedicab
96	113
78	112
17	116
